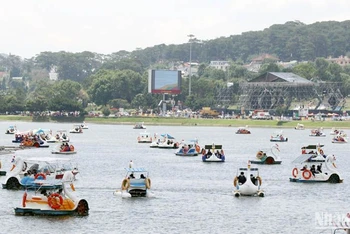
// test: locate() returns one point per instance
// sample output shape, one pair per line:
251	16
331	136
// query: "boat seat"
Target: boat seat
137	183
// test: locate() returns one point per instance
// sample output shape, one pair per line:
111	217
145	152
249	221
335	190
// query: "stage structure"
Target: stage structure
223	95
275	89
164	82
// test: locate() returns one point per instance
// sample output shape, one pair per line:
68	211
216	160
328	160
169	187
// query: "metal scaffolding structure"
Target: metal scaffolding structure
224	95
270	95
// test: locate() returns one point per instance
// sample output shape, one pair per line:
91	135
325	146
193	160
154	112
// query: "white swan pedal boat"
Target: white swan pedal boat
247	182
144	137
278	137
37	173
11	130
135	184
339	139
168	142
300	127
84	126
213	153
60	136
139	126
317	133
269	156
76	129
315	166
54	202
188	148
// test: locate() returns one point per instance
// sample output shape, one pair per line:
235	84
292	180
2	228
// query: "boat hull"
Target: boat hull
276	140
213	158
82	209
264	162
333	178
186	155
311	181
65	152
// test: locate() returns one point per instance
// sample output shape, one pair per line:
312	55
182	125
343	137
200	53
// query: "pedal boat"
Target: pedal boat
54	203
270	156
135	184
213	153
36	173
251	185
313	166
188	148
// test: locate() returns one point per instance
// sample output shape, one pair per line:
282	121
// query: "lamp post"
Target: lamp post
190	73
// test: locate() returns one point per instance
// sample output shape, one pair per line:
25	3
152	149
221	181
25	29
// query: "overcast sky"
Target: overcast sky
29	27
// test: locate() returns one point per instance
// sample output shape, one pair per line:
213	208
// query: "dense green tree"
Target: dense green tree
321	67
110	84
39	103
305	70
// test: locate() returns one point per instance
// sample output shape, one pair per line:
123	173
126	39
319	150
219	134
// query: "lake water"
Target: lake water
190	196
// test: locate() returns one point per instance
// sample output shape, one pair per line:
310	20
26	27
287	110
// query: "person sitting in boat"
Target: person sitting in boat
132	176
185	149
253	179
142	176
241	178
27	179
313	170
319	168
66	147
218	154
304	168
209	154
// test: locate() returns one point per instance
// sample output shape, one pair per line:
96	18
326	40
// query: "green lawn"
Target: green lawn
198	122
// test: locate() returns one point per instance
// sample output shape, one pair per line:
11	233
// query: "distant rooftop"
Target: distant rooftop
281	77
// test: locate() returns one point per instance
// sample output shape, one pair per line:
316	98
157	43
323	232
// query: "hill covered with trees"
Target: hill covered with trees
120	79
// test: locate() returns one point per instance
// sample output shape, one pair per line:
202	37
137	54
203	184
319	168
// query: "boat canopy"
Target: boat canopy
190	142
246	169
213	146
167	136
41	131
136	169
312	147
46	159
308	158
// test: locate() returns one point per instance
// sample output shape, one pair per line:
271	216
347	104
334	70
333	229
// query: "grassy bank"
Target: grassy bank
197	122
219	122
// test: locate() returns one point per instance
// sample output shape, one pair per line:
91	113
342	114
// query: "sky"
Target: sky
29	27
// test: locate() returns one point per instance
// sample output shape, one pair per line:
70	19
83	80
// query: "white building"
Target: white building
53	74
221	65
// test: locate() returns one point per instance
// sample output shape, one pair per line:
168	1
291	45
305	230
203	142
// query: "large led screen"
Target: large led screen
164	81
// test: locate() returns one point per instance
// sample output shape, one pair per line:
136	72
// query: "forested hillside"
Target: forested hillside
120	79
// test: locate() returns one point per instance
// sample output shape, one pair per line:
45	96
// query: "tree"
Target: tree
305	70
321	69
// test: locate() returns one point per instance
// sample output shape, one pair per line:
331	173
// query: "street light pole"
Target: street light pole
190	73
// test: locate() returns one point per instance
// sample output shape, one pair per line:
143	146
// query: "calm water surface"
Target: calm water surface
190	196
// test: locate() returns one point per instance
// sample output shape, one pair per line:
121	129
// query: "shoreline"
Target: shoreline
159	121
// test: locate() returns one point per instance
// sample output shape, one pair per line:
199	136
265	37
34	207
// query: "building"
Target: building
279	89
53	74
220	65
281	77
342	60
256	62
